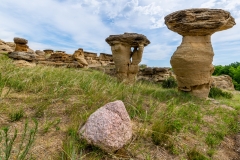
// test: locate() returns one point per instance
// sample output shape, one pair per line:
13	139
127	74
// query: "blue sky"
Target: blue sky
71	24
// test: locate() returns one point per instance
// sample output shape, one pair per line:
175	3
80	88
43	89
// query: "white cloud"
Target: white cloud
72	24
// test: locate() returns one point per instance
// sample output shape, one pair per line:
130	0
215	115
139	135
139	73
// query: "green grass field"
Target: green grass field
166	124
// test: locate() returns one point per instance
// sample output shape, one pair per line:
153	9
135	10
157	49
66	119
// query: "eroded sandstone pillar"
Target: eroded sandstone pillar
192	61
127	50
21	44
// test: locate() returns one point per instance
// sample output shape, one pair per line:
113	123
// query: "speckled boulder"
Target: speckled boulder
108	128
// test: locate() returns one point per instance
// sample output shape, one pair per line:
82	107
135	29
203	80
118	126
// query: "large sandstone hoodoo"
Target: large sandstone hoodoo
192	61
126	60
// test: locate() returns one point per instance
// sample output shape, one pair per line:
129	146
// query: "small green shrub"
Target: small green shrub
217	92
25	142
169	83
195	155
16	116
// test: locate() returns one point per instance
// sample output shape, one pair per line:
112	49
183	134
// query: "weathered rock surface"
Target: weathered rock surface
4	47
23	63
12	45
79	56
192	61
126	60
154	74
223	82
48	52
20	40
109	127
21	45
199	21
106	57
132	39
28	56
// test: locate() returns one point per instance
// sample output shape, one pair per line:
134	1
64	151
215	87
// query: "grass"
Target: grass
166	123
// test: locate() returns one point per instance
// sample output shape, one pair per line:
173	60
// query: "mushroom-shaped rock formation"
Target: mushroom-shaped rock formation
48	52
21	44
79	56
126	60
192	61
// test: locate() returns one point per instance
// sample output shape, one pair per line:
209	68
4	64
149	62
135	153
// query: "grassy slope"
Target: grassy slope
167	124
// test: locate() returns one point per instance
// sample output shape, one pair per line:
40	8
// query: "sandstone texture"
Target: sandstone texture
22	56
21	44
108	128
155	74
79	56
23	63
126	61
223	82
199	21
12	45
192	61
4	47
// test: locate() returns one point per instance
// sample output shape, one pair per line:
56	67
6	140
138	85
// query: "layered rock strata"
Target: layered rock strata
48	52
126	60
4	47
79	56
155	74
192	61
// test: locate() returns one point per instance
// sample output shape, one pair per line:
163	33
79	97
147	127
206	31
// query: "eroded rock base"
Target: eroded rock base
192	64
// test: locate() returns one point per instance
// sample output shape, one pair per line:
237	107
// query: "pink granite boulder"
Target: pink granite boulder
108	128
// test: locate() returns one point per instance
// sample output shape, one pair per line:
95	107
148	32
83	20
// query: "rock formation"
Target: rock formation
108	128
192	61
155	74
23	63
79	56
21	44
28	56
92	59
4	47
126	61
223	82
12	45
48	52
60	59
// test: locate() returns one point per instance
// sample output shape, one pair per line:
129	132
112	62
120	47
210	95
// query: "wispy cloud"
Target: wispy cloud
72	24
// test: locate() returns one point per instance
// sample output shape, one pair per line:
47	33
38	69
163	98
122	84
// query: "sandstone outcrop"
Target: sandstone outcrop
108	128
48	52
92	59
223	82
4	47
192	61
155	74
23	63
28	56
12	45
126	61
21	44
79	56
60	59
